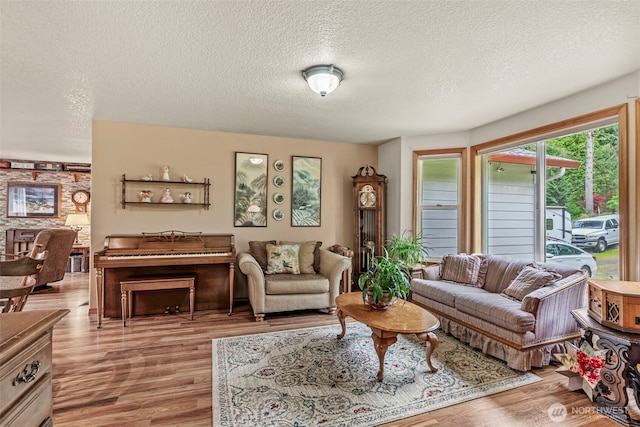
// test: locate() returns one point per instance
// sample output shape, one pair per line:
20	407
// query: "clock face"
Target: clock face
367	196
80	198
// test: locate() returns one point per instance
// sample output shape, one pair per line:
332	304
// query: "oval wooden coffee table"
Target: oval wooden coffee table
401	318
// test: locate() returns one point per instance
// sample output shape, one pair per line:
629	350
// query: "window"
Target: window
577	165
439	199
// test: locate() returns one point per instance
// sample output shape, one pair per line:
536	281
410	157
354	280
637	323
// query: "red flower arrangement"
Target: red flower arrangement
588	364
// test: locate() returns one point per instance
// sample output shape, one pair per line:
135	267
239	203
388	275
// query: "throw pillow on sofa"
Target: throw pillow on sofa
307	255
528	280
283	259
258	250
463	268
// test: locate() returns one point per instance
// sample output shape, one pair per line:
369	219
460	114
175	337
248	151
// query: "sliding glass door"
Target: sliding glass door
556	200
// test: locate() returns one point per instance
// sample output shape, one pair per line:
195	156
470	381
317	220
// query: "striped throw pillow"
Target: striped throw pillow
462	268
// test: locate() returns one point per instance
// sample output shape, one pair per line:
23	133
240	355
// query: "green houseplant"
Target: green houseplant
407	248
384	281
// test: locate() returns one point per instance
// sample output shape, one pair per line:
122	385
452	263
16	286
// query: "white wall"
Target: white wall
396	160
617	92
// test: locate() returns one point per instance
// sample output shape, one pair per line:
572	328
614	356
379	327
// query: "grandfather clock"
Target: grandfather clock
369	194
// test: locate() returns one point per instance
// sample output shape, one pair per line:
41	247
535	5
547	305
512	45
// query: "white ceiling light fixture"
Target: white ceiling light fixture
323	79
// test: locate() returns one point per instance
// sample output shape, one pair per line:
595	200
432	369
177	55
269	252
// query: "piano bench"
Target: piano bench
127	287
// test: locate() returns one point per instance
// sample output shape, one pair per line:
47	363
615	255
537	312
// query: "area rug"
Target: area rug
307	377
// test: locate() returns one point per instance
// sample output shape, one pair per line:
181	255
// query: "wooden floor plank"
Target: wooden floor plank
157	370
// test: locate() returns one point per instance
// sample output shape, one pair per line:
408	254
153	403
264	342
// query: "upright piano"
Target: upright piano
210	258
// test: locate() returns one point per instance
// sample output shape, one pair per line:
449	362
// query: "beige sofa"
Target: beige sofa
524	327
315	287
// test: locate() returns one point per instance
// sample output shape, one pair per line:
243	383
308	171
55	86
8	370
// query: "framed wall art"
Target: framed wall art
25	199
251	190
306	177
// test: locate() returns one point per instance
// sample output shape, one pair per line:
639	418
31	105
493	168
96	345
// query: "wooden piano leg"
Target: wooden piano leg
192	293
231	281
124	303
100	295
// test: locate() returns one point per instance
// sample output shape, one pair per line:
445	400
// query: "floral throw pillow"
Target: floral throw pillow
307	255
283	259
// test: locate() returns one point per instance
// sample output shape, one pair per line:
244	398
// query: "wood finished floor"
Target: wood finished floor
157	371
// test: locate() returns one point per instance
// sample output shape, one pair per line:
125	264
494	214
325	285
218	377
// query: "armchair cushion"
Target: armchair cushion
283	259
259	251
277	284
307	256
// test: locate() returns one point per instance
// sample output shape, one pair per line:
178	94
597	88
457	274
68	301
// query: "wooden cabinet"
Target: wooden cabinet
369	196
25	367
20	240
198	193
615	303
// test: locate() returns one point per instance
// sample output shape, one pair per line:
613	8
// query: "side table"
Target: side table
620	369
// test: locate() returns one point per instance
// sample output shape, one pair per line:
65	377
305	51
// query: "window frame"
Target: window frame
463	152
618	112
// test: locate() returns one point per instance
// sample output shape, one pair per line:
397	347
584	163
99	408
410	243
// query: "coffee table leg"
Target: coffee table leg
432	339
341	317
381	344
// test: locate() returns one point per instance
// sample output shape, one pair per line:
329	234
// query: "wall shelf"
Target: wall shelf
130	188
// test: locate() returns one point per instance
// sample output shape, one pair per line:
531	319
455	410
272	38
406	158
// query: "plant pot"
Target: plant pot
382	304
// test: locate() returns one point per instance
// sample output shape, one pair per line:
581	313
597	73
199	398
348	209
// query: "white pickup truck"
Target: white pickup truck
596	233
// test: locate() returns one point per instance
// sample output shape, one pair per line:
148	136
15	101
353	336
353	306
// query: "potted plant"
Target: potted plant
407	248
384	282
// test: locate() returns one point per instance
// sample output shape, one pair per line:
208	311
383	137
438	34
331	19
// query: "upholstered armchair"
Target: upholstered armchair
279	292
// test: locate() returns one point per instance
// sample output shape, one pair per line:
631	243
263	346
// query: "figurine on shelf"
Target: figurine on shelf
145	196
186	197
186	178
165	173
147	177
166	196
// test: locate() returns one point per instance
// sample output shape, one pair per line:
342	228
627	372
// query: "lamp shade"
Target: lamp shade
323	79
76	220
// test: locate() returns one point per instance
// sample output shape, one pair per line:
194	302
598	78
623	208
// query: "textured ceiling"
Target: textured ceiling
411	67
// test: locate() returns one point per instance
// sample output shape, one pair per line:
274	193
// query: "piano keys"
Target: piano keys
210	258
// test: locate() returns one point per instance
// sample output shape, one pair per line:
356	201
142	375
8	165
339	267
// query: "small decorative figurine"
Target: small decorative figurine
186	197
145	196
165	173
147	177
186	178
166	196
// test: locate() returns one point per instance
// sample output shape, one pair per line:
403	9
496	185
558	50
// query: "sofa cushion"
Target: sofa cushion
496	309
461	268
259	251
277	284
501	271
528	280
307	255
283	259
442	291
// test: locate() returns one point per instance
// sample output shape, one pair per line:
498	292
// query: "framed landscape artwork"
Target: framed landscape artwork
305	191
251	190
33	200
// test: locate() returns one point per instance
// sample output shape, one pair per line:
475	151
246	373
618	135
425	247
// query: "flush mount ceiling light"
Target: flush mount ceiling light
323	79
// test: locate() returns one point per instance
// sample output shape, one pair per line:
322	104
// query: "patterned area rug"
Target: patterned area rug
307	377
